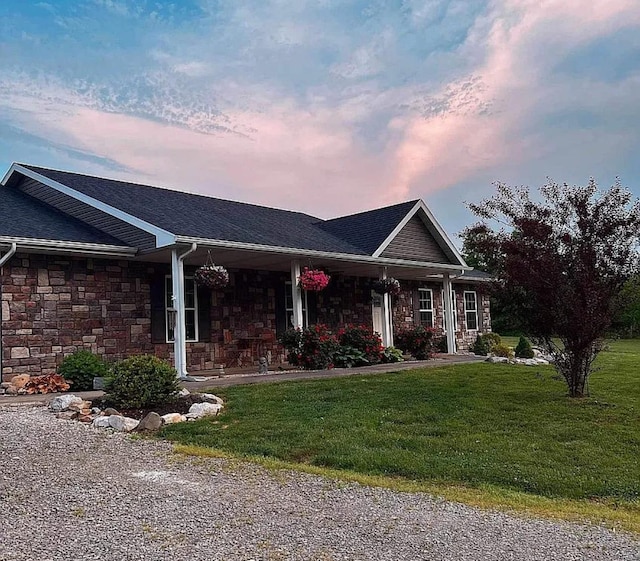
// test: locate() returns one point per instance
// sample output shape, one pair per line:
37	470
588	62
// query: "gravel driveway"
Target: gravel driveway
68	491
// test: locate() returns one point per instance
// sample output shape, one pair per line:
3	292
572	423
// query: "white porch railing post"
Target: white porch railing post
387	320
177	283
448	314
296	296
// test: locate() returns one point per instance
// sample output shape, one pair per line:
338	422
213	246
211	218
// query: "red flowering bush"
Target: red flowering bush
312	348
313	279
418	341
363	339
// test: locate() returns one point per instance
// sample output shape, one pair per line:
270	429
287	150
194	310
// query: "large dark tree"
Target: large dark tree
561	261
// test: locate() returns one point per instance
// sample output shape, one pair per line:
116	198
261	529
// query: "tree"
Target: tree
561	261
627	317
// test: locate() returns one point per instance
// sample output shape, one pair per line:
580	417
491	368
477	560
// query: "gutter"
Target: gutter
4	259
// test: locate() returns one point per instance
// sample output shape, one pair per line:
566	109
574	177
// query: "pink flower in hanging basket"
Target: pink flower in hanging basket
213	276
313	279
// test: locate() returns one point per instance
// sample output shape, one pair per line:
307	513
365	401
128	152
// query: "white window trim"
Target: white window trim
289	311
195	309
455	312
467	311
432	309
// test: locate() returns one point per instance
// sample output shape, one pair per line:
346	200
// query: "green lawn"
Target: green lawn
480	426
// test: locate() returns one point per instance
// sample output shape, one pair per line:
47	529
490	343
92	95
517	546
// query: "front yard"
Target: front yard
493	435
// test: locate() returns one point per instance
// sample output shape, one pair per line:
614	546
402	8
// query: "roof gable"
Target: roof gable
416	243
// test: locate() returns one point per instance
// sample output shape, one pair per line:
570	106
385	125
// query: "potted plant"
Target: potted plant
211	275
313	279
387	286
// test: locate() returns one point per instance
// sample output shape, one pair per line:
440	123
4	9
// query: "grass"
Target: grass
492	435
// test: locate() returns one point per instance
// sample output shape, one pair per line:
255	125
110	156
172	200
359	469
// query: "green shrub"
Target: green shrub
391	354
417	341
492	339
502	350
142	381
80	368
348	357
363	339
523	349
481	346
440	344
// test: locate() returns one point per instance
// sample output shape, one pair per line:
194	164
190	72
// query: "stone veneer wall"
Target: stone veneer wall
347	300
403	310
52	306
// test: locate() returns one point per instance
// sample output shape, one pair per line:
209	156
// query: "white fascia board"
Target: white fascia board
297	252
163	237
68	246
421	206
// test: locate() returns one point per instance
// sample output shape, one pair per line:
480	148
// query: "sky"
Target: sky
328	107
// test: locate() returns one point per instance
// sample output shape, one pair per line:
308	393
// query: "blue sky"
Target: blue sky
325	106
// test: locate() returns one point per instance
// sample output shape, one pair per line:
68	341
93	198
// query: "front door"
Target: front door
376	312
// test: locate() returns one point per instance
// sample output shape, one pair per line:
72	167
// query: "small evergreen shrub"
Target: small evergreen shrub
81	368
523	349
492	339
502	350
391	354
481	346
417	341
142	381
363	339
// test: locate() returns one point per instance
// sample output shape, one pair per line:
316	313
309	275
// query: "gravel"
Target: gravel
68	491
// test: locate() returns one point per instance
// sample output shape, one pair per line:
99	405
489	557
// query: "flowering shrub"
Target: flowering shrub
418	341
313	279
390	285
213	276
312	348
363	339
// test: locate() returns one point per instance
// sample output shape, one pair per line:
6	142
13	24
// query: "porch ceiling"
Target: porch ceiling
272	261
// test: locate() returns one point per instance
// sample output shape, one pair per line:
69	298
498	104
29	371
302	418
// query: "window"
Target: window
425	306
288	306
190	309
471	310
455	311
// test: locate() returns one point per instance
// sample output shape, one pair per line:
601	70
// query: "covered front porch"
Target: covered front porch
279	302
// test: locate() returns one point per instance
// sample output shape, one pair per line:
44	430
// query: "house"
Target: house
108	266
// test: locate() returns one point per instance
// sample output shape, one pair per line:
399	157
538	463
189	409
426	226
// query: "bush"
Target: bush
142	381
312	349
502	350
363	339
81	368
348	357
492	339
481	346
418	342
523	349
391	354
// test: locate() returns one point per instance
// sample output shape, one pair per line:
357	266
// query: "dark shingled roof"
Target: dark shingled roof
188	214
357	228
22	216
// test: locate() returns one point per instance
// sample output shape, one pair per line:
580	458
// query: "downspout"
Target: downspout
4	259
180	331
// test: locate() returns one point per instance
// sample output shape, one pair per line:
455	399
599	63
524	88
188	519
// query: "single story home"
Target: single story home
106	265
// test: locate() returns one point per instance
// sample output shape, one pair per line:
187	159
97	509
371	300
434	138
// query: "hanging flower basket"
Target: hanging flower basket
387	286
313	280
211	275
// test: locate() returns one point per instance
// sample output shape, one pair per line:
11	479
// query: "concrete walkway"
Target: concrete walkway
284	376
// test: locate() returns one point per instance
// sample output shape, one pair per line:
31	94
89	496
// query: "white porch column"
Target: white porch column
296	296
387	320
180	330
448	314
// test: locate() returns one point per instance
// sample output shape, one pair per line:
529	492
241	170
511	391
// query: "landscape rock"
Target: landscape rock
110	411
171	418
122	424
5	385
79	406
497	359
199	410
11	390
184	392
101	422
62	402
151	422
211	397
67	415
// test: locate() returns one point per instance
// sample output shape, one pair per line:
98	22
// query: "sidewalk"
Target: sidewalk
288	375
